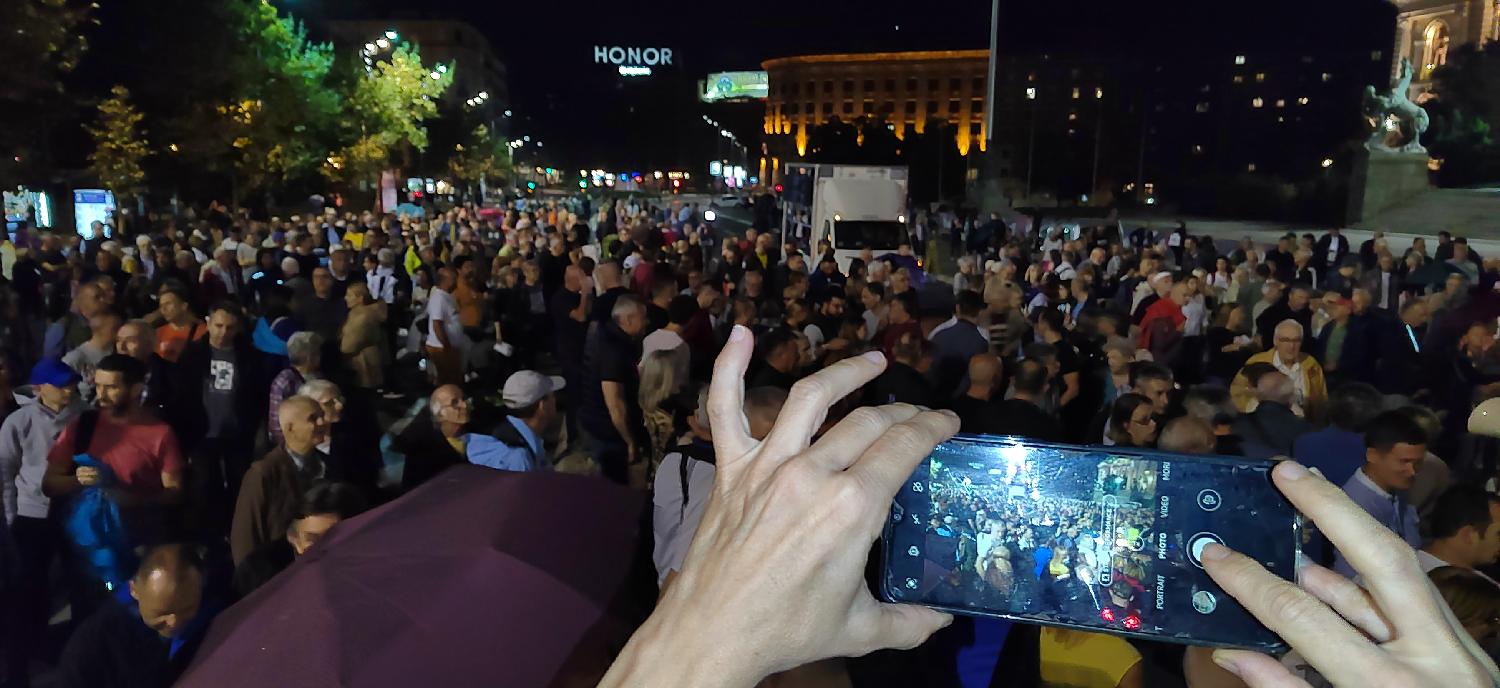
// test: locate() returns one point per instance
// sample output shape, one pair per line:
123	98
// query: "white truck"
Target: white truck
859	206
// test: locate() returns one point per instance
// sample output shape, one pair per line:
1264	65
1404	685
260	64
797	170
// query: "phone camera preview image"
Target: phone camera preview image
1086	537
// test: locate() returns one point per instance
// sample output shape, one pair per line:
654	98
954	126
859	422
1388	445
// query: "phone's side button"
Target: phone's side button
1196	545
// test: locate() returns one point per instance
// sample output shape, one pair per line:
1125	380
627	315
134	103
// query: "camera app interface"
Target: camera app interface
1084	538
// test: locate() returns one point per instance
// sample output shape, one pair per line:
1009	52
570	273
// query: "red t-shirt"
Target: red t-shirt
138	452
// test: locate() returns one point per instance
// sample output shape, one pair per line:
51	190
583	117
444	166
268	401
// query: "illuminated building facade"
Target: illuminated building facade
1428	31
907	90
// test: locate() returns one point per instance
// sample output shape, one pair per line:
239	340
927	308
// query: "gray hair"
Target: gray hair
304	347
317	389
626	305
1290	324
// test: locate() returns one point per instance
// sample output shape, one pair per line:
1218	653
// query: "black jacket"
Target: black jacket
186	414
114	649
1269	431
427	451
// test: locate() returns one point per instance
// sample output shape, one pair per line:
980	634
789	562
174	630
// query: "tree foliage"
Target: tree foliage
278	111
481	156
386	113
43	43
120	147
1465	111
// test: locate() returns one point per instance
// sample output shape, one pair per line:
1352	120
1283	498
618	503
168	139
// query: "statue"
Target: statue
1394	116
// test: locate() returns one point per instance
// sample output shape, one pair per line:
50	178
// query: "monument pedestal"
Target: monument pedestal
1383	180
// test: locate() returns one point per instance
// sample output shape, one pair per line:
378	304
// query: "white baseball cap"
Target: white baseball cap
527	387
1485	420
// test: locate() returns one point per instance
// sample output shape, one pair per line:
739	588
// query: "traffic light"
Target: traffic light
780	188
676	183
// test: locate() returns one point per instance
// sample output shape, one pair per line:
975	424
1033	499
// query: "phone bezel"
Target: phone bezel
1010	440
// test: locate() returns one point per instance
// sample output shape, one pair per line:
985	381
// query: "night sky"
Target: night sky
558	93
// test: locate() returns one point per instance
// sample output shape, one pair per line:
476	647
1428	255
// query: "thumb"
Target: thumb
901	627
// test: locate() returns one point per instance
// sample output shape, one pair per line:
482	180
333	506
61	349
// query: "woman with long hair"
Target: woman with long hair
663	374
1132	422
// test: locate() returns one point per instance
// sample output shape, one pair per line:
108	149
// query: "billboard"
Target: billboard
89	206
723	86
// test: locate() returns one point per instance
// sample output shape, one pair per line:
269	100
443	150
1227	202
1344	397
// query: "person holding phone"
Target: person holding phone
760	592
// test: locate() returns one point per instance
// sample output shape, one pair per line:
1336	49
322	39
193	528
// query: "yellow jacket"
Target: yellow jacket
1243	393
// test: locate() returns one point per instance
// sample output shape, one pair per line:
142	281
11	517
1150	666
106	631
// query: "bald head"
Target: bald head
168	586
984	370
607	274
136	339
1187	435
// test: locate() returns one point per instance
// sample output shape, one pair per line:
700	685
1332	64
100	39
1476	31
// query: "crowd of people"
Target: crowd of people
192	401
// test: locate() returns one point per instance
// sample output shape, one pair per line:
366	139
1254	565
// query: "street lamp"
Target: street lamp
391	34
710	216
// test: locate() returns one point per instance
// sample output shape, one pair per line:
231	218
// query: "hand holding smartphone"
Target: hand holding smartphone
1093	538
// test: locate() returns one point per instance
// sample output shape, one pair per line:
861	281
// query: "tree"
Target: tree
119	145
1464	111
388	106
43	43
275	119
481	157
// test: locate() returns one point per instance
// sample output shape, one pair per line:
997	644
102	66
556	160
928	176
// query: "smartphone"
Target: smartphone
1090	538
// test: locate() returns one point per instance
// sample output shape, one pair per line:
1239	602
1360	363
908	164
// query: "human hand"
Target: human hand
87	476
775	576
1399	632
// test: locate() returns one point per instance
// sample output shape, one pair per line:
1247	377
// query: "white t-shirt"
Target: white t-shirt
441	306
673	526
660	340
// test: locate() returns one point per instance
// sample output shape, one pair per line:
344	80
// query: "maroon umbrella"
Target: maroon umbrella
478	578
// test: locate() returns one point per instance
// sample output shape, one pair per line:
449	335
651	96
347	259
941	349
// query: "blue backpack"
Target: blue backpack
95	524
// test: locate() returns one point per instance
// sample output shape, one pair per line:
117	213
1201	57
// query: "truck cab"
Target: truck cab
859	206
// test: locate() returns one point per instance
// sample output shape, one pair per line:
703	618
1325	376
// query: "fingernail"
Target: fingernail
1214	552
1226	663
738	333
1317	472
1291	470
875	357
948	412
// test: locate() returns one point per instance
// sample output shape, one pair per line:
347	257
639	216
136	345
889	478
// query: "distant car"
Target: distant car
729	201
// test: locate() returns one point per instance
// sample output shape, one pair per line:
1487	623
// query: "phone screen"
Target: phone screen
1086	537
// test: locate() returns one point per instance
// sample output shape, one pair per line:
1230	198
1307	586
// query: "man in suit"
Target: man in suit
1330	251
274	485
1401	368
1383	283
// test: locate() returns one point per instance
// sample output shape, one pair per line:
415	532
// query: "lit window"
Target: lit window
1239	59
1257	102
1281	103
1197	149
1434	47
1072	116
1376	55
1202	107
1250	167
1302	100
1031	93
1239	78
1327	77
1075	93
1098	93
1259	77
